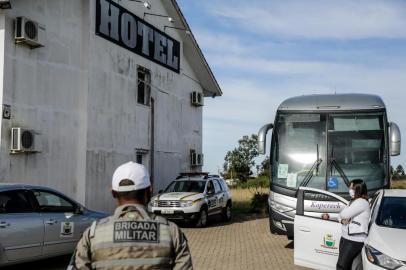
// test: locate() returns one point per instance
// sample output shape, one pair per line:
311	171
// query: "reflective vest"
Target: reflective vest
125	242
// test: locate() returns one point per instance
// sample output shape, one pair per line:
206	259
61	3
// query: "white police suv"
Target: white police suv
193	197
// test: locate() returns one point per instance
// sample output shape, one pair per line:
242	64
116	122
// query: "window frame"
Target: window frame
147	86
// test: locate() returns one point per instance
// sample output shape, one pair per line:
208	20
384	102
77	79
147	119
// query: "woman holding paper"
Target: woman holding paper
355	219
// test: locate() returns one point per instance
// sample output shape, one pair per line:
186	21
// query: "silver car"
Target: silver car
38	222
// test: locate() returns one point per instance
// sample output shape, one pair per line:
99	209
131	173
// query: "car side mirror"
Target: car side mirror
160	191
78	210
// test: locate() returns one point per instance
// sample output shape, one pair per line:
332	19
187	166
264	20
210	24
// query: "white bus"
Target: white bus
323	142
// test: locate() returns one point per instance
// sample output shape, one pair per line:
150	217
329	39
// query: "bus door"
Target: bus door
316	229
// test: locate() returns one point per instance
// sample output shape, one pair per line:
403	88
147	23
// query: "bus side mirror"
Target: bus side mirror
262	138
394	139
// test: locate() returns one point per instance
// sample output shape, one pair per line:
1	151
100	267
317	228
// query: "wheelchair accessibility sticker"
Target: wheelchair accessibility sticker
67	229
332	182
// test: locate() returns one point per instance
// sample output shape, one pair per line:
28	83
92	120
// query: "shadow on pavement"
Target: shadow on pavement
217	220
290	245
56	263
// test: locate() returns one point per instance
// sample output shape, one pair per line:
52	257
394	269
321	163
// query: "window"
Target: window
210	188
223	185
357	144
143	86
50	202
322	205
14	202
186	186
300	142
217	187
139	158
392	213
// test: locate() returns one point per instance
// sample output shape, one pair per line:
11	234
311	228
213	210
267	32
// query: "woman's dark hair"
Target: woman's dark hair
360	189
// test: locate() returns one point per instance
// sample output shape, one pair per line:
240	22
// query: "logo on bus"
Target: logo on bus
329	242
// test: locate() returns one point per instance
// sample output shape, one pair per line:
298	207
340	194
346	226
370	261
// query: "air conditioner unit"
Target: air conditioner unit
29	32
24	140
197	99
196	159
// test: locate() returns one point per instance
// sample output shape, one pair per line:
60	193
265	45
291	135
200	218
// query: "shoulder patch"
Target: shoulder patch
136	231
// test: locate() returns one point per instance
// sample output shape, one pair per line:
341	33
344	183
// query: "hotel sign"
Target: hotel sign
125	29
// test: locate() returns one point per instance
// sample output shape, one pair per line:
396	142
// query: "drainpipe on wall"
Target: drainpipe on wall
152	156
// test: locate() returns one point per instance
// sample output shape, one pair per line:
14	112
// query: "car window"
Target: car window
217	187
223	185
14	202
210	187
50	202
322	206
392	213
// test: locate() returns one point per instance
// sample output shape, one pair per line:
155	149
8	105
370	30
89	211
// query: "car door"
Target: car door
211	196
219	194
63	220
21	229
317	240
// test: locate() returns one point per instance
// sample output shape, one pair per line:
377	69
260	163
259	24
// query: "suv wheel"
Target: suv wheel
202	220
227	212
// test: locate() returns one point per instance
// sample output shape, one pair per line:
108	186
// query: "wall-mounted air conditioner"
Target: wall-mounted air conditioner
197	99
196	159
29	32
25	140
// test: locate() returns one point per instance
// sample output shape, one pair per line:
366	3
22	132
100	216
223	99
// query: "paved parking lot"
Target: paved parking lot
236	245
240	245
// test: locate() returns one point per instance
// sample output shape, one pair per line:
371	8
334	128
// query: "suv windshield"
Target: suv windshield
357	145
300	142
186	186
392	213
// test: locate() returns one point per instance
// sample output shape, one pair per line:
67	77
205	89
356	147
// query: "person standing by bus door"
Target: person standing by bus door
355	219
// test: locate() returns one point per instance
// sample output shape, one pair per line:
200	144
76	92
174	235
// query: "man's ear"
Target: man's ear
113	193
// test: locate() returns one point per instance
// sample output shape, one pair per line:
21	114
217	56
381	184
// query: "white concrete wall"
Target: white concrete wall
79	91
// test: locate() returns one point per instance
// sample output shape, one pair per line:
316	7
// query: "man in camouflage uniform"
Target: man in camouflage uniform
132	238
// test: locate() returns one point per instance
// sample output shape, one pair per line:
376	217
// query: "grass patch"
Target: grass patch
242	203
399	184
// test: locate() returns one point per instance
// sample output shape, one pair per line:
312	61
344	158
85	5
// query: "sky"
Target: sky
262	52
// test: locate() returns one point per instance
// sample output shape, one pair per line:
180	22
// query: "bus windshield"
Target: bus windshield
299	142
329	149
357	145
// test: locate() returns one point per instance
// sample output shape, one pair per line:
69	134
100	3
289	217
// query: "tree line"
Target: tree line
397	173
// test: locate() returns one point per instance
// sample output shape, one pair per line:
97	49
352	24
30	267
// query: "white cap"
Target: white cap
131	171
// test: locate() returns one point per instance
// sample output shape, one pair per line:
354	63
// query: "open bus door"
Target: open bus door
317	240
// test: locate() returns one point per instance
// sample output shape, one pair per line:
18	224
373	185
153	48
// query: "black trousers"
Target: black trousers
348	251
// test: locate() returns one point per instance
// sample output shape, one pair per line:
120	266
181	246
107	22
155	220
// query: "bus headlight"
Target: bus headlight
186	203
378	258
